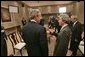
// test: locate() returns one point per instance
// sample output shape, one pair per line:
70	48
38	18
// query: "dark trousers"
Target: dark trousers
4	49
74	47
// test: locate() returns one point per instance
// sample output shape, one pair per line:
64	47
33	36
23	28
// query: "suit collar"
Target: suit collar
65	25
33	21
75	23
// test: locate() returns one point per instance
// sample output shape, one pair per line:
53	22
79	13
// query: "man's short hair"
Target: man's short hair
34	12
64	17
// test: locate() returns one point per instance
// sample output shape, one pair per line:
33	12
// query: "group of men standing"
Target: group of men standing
36	37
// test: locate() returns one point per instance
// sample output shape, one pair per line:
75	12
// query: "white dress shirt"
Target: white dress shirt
74	23
33	20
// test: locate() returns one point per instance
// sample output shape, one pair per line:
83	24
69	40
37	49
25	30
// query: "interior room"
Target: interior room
13	12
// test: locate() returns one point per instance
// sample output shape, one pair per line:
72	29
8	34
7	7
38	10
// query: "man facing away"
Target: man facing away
35	36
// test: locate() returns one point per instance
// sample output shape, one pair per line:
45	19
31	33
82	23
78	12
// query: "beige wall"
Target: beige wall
15	20
53	8
81	12
78	9
15	17
49	10
75	8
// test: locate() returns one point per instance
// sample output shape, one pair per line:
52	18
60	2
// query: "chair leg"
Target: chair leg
11	55
14	51
21	52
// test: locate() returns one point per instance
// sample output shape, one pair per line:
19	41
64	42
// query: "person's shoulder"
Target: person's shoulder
25	25
67	28
78	23
40	26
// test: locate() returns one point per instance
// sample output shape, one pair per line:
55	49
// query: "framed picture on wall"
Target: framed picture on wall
13	9
5	15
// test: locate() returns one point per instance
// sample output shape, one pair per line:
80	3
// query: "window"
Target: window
62	9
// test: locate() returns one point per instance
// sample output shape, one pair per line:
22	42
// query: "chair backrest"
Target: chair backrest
13	38
19	35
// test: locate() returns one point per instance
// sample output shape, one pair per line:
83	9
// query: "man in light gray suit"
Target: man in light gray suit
63	36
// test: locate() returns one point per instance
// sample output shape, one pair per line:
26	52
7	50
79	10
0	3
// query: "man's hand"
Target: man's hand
52	30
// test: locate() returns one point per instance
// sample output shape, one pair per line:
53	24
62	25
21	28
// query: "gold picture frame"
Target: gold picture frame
5	15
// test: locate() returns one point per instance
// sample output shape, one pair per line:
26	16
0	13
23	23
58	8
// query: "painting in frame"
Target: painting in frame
5	15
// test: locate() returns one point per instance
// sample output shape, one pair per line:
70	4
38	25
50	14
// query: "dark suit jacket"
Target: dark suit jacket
3	43
42	22
36	40
62	42
76	32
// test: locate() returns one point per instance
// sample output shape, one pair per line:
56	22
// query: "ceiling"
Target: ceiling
42	3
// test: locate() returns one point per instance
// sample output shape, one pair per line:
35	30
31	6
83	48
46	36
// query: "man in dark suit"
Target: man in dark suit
76	35
35	36
3	42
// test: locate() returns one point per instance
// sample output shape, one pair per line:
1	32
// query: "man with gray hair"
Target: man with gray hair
63	36
35	36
